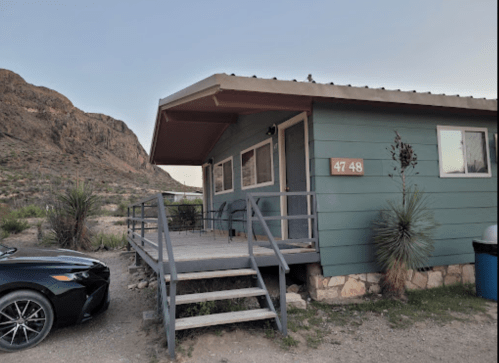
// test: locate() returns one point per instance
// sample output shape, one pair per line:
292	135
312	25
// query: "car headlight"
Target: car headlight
72	276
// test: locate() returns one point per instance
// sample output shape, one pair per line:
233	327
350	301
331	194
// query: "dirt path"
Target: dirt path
373	341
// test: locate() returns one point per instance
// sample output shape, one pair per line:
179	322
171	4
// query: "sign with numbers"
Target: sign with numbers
346	166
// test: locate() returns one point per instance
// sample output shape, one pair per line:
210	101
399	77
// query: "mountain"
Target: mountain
43	137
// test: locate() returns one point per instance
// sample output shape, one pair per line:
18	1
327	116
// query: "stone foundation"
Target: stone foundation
350	286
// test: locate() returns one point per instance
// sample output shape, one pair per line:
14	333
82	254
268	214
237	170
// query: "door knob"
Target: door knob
287	189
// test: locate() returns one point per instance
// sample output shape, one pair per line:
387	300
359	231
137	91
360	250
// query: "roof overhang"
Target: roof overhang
190	122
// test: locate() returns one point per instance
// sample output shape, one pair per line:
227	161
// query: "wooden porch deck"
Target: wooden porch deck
195	246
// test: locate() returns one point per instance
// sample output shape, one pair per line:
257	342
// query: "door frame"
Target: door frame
282	169
207	225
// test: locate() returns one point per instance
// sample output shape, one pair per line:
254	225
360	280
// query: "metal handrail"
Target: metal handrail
312	199
167	305
282	324
283	266
280	257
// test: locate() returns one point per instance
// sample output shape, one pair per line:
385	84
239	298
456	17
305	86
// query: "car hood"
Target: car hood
49	256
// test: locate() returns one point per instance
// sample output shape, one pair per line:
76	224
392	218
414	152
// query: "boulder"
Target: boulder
374	289
374	277
353	288
435	279
454	269
295	300
336	281
293	288
451	279
420	280
324	295
468	274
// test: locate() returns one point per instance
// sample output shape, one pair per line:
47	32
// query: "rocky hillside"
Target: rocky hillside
43	138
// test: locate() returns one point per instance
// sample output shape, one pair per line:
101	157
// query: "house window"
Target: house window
223	176
463	152
257	168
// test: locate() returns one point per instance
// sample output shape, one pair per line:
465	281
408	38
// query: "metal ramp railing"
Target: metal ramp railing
167	301
252	206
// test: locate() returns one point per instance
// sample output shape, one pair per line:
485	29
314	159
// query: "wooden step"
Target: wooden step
218	295
212	274
223	318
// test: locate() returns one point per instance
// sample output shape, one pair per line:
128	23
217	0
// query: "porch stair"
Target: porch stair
212	274
224	318
219	295
233	266
227	317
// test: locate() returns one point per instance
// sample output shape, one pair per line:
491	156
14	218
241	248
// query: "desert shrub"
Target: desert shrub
111	241
29	211
122	209
3	234
13	225
68	215
184	214
4	210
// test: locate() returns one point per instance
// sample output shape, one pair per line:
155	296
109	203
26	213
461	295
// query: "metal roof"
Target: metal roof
221	81
190	122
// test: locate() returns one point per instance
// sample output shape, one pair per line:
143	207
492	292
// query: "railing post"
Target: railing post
133	221
158	297
142	224
249	229
137	256
316	222
128	247
171	325
282	289
160	236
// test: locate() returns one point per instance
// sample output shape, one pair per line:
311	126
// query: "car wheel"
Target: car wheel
26	318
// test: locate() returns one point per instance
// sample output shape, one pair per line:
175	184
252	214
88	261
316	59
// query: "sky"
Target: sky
120	57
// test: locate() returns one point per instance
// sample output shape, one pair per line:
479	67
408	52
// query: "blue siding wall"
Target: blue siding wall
347	206
248	131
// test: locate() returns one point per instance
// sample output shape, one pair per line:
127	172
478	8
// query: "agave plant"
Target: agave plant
403	233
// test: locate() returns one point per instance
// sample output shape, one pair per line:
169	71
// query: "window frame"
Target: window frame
466	174
221	163
254	147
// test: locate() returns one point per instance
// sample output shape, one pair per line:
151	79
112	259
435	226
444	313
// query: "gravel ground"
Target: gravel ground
117	335
372	342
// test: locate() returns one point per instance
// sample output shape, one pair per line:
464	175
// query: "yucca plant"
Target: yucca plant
403	239
68	215
403	233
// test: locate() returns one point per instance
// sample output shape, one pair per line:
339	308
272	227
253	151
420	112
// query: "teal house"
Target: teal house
253	135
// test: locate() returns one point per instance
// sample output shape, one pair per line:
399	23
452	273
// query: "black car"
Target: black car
41	288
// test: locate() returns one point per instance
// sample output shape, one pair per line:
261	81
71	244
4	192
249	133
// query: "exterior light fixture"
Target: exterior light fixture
271	130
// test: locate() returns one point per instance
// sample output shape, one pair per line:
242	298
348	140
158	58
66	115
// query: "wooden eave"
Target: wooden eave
185	133
190	122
